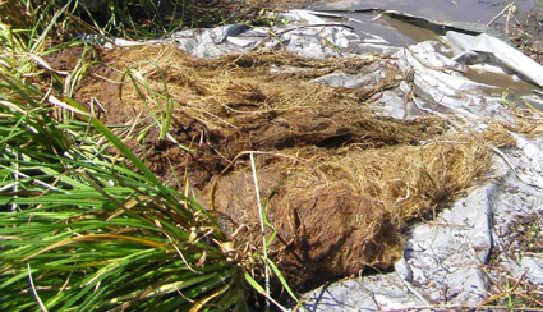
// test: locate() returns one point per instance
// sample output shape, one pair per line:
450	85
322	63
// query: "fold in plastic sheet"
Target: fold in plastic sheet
503	53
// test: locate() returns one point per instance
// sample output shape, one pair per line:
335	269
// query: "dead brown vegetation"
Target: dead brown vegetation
341	180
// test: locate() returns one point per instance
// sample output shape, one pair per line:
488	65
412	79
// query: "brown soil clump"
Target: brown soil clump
341	181
337	214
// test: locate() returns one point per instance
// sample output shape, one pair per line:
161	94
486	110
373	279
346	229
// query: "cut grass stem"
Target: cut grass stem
261	213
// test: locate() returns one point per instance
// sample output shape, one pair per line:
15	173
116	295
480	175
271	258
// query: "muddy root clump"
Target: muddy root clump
341	214
339	181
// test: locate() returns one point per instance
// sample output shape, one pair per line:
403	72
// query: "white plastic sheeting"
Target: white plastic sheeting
505	54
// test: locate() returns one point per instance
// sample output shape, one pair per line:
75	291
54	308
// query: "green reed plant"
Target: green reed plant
82	232
81	229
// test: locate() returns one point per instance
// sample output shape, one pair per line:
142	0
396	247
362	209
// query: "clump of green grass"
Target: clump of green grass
81	231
